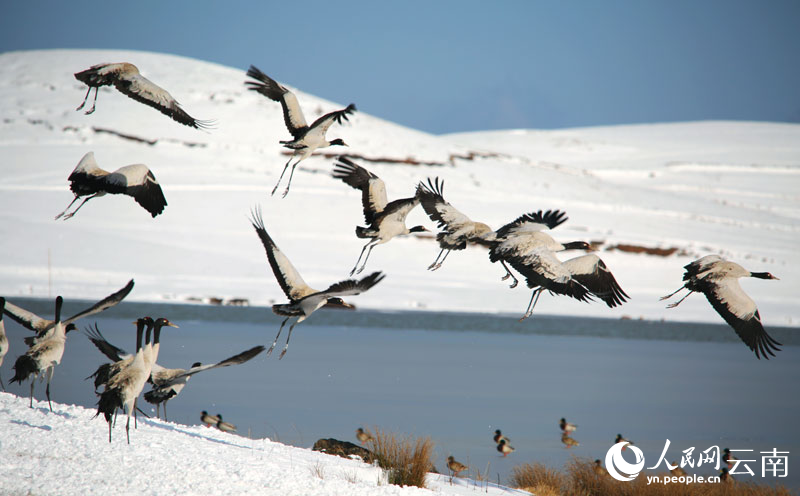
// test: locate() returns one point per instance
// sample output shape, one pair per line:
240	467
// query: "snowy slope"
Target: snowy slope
710	187
67	452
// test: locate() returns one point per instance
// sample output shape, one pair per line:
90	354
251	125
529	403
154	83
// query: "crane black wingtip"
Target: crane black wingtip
373	279
204	125
255	72
434	187
255	218
767	345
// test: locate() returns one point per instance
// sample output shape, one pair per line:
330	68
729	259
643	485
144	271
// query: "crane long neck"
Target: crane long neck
156	338
139	332
59	302
146	338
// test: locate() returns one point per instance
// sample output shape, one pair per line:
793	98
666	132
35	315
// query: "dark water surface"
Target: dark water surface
458	377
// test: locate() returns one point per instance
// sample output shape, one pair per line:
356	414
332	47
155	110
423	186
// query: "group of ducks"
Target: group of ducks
216	421
567	428
503	446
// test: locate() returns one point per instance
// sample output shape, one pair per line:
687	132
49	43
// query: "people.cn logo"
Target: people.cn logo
618	467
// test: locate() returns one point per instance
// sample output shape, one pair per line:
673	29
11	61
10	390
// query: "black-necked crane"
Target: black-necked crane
44	355
3	339
457	228
303	300
151	355
386	219
159	324
455	466
122	389
126	78
208	419
532	253
580	277
522	234
42	327
504	448
567	427
119	357
136	180
47	347
718	279
306	138
168	383
224	426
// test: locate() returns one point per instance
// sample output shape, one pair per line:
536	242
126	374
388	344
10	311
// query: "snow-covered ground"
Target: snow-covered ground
66	452
706	187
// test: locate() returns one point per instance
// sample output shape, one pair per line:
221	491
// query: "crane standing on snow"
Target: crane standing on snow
47	347
44	355
123	389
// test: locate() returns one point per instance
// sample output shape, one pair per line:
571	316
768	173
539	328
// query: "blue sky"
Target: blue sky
447	66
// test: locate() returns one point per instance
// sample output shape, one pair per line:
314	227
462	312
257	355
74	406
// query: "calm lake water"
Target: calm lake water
458	377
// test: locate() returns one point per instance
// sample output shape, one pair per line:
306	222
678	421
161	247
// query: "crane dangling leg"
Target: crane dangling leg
287	338
85	98
438	263
269	351
508	274
368	245
532	304
673	305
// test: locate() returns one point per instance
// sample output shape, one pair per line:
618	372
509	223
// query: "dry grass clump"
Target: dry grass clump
537	479
581	479
406	461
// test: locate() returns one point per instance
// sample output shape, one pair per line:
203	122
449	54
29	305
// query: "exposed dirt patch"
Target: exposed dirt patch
657	251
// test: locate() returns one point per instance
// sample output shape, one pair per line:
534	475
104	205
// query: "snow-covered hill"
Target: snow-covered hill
691	189
67	452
